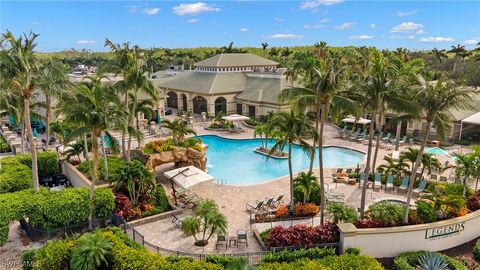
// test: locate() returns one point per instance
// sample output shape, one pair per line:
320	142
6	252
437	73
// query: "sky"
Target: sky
185	24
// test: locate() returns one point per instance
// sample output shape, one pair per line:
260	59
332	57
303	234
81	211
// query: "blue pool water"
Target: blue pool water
234	160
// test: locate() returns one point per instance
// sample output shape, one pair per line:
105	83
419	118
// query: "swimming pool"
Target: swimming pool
235	162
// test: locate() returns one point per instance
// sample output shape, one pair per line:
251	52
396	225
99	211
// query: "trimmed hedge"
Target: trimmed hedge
51	209
16	171
342	262
54	255
409	261
115	166
290	256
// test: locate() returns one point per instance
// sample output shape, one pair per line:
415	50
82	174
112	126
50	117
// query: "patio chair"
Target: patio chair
404	185
348	171
242	237
387	138
389	183
268	203
222	240
403	140
443	179
342	131
377	184
355	136
411	141
363	179
257	206
278	201
194	202
362	138
178	219
434	177
421	187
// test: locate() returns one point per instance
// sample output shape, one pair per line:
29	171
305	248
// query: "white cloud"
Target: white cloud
324	20
345	26
193	9
317	3
402	37
279	19
193	20
362	37
436	39
313	26
406	27
151	11
420	32
471	41
244	29
406	13
372	25
86	42
285	36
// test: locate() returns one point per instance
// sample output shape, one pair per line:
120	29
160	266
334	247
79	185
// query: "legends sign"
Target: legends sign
444	231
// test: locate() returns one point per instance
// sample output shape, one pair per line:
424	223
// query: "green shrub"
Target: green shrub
426	211
115	166
222	260
3	234
28	259
47	162
290	256
342	212
93	251
388	212
350	261
161	201
15	177
265	234
54	255
296	265
476	250
353	250
409	261
4	147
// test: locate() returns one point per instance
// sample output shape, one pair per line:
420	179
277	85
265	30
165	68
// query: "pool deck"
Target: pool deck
232	199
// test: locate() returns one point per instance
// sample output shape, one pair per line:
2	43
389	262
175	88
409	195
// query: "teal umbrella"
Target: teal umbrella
35	133
436	151
158	119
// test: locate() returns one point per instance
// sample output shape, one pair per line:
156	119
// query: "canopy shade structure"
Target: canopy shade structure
187	177
361	120
436	151
235	117
472	119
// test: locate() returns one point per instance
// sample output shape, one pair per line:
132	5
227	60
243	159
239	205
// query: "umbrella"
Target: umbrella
187	177
35	133
158	120
361	120
436	151
235	117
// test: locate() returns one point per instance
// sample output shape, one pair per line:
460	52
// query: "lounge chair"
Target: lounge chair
403	140
377	184
348	171
363	177
257	206
389	182
386	139
434	177
222	240
178	219
421	187
355	136
404	185
342	131
268	203
362	138
242	237
411	141
278	201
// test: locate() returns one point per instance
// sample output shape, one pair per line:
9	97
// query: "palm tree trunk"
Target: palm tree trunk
85	147
124	144
379	127
397	136
414	173
312	159
323	114
48	109
22	136
367	168
94	177
105	161
33	147
290	171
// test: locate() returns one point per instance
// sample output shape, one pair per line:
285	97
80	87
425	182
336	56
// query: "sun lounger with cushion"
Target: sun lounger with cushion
389	182
377	184
404	184
421	187
257	206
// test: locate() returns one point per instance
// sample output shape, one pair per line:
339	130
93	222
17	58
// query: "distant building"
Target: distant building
241	83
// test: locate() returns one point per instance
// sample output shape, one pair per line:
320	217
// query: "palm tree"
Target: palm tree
207	220
179	129
305	182
394	167
293	127
21	71
144	106
467	166
264	46
324	95
439	54
95	108
435	100
457	50
92	252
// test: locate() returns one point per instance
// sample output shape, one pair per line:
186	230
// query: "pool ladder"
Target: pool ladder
221	181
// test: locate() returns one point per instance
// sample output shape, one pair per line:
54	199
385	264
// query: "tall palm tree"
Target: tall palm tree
457	50
95	108
293	127
466	166
179	129
21	70
439	54
434	101
305	182
264	46
324	94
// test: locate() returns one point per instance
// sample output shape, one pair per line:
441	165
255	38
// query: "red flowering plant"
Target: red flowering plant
302	235
123	207
473	202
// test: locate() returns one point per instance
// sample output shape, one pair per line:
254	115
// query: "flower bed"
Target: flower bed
274	154
302	236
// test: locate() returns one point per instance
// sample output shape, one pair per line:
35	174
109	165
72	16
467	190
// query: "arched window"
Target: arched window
199	104
172	100
220	105
184	102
